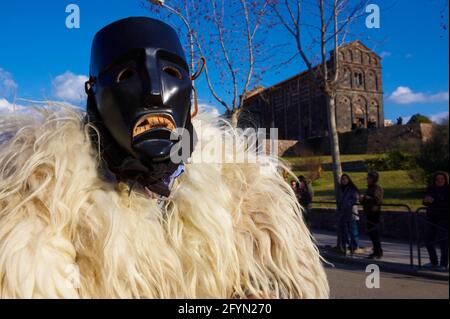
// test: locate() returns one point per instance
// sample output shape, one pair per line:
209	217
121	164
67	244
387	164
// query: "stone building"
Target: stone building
298	109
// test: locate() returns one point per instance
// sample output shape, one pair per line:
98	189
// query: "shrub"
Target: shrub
377	164
419	118
396	159
434	155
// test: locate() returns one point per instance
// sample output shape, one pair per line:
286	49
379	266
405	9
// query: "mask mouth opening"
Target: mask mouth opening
153	121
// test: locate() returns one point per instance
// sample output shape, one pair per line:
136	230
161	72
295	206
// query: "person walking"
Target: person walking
436	232
347	215
371	201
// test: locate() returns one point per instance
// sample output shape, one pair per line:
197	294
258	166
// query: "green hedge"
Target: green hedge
394	160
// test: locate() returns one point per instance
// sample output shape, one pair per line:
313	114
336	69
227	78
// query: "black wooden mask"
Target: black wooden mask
139	94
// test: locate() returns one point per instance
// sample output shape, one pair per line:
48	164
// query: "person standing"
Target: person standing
304	195
294	186
308	184
436	200
348	222
371	201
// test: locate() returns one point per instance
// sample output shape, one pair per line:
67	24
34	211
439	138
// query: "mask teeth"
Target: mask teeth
153	121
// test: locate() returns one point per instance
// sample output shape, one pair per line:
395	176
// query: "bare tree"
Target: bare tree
225	33
332	22
444	17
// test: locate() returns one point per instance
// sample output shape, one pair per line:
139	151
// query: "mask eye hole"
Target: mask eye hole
125	74
173	72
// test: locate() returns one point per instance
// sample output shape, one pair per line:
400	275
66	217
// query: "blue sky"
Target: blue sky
42	59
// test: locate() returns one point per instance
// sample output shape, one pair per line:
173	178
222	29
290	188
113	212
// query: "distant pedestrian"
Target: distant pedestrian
436	199
371	201
348	215
305	196
294	186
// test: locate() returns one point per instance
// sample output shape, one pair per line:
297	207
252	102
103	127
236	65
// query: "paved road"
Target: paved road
349	282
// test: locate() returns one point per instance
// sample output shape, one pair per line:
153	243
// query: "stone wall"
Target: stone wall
382	140
363	141
283	146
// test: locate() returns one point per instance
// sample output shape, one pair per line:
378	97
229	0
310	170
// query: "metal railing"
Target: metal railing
411	222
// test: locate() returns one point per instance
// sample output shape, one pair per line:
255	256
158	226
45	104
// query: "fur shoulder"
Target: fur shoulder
227	230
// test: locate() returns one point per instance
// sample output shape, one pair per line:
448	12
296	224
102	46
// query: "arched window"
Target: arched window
373	114
373	60
371	80
343	112
366	59
346	77
343	103
357	56
359	106
358	78
348	56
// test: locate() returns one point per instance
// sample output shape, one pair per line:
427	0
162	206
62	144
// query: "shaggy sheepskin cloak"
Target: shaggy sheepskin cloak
226	231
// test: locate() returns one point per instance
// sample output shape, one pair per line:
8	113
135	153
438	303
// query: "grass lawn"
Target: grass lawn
398	187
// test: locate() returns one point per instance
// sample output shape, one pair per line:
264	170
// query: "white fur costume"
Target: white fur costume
226	230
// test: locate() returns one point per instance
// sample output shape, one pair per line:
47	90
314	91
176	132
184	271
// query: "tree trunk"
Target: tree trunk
234	118
334	142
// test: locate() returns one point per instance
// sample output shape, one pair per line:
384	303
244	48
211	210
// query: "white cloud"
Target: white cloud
439	97
207	108
439	117
69	86
388	122
385	54
404	95
7	85
6	106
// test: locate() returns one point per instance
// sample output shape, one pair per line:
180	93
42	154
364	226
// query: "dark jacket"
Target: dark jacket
438	210
374	198
304	197
347	198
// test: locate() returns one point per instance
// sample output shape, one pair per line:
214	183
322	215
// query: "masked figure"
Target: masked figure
139	93
117	202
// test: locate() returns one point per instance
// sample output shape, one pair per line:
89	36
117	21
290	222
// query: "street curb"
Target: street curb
384	266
